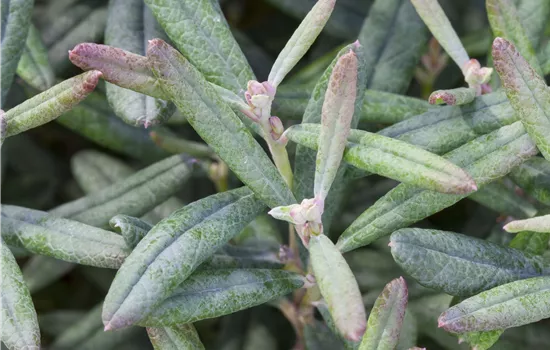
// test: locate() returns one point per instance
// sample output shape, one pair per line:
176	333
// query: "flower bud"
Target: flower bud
277	127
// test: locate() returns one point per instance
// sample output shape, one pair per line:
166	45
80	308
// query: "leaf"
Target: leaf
132	229
19	323
34	67
54	323
486	158
209	294
503	200
217	124
173	338
526	90
130	196
460	265
318	336
510	305
432	14
302	39
87	26
480	340
50	104
505	22
534	243
534	177
338	287
41	271
536	224
176	145
409	332
203	36
62	239
395	37
394	159
129	25
389	108
176	243
337	114
386	318
16	19
458	96
94	120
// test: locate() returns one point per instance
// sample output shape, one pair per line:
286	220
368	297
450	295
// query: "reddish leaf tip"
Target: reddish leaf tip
500	44
440	322
108	327
357	334
442	96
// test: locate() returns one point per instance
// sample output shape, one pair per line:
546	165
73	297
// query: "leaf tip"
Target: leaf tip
108	327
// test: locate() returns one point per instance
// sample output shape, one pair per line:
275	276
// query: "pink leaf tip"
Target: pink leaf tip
108	327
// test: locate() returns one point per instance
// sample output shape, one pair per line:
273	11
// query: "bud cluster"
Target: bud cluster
259	97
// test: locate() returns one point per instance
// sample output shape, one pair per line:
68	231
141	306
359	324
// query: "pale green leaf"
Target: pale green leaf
180	243
34	67
460	265
208	294
458	96
530	242
176	145
486	158
216	123
503	200
200	32
132	229
178	337
19	325
302	39
50	104
533	176
509	305
536	224
480	340
338	287
386	317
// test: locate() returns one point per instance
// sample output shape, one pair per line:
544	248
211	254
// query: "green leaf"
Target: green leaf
458	96
510	305
16	19
132	229
394	159
41	271
94	120
536	224
503	200
217	124
62	239
318	336
526	90
209	294
129	25
179	243
534	177
302	39
394	37
203	36
173	338
534	243
338	287
176	145
386	317
50	104
460	265
533	16
505	22
409	332
480	340
130	196
432	14
337	114
34	67
486	158
389	108
19	323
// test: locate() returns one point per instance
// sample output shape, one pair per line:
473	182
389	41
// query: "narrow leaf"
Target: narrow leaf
179	243
34	67
536	224
534	243
503	200
19	325
486	158
533	176
132	229
302	39
203	36
16	19
130	196
526	90
338	287
480	340
386	317
394	159
209	294
216	123
41	271
174	338
318	336
177	145
509	305
337	113
457	264
50	104
505	22
62	239
458	96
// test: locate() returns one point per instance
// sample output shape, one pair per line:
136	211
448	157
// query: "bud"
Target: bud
259	96
277	127
474	74
256	88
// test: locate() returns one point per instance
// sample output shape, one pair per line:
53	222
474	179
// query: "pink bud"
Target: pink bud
269	89
255	88
277	127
